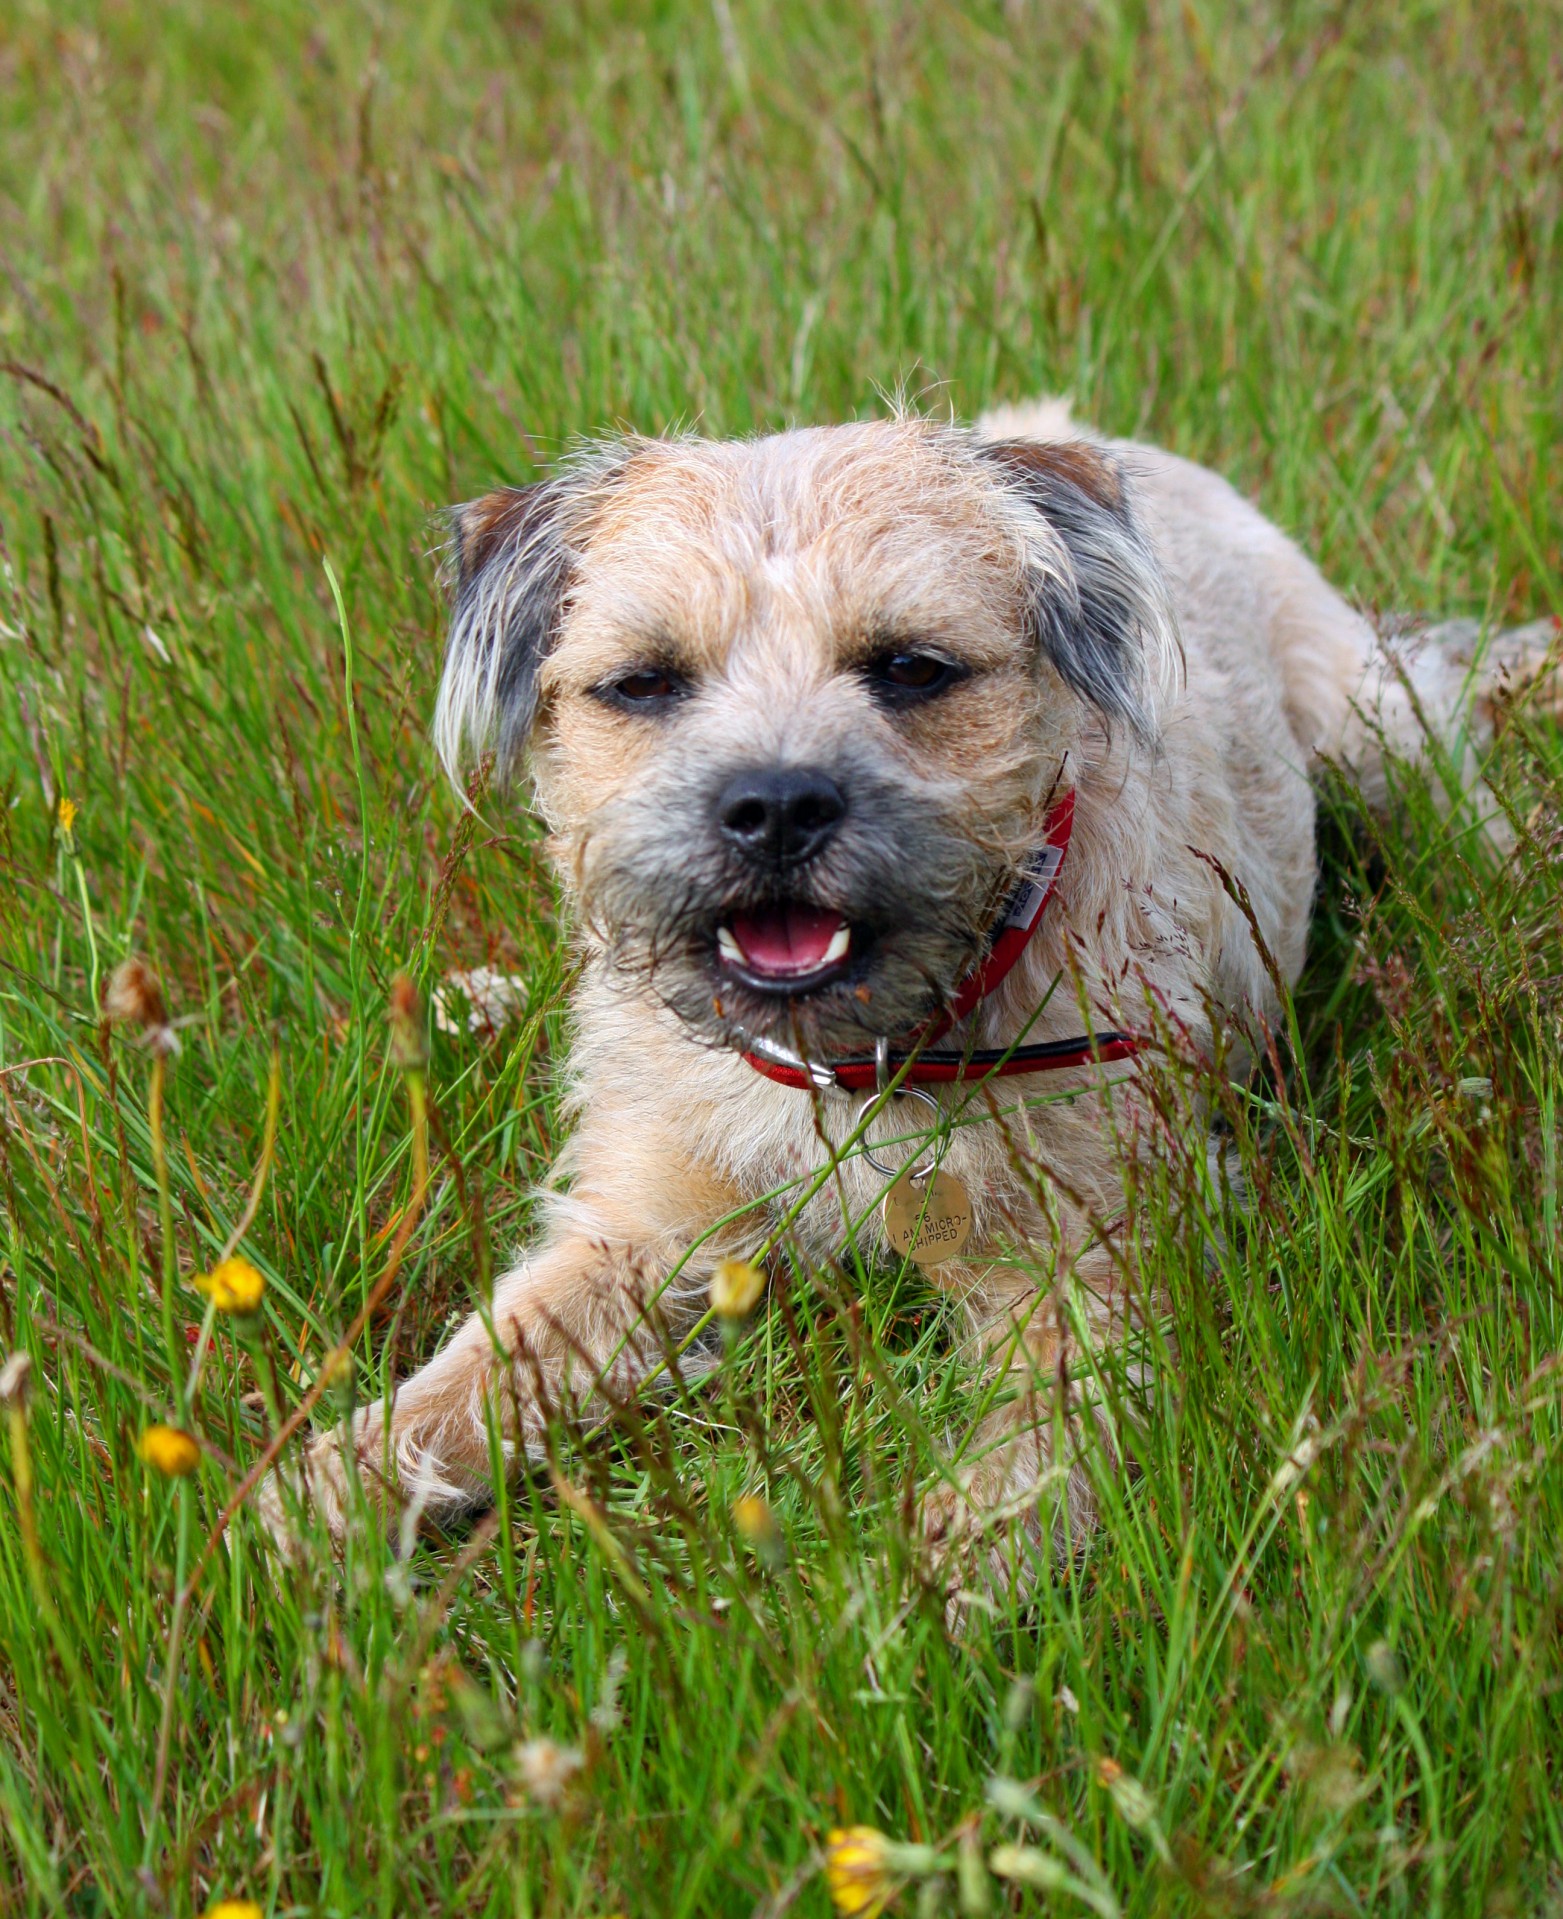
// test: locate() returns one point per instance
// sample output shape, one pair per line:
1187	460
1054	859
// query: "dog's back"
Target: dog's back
1250	603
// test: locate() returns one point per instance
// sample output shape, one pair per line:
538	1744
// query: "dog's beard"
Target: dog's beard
916	892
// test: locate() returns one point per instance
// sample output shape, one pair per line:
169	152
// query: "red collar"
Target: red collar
1020	920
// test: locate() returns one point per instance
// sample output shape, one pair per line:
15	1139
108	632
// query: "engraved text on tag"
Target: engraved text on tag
928	1220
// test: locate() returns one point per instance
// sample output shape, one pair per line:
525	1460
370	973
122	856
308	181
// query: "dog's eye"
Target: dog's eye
901	679
647	686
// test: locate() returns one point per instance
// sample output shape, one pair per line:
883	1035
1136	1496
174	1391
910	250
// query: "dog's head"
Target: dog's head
795	706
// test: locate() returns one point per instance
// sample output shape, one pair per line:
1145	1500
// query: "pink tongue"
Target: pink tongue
790	939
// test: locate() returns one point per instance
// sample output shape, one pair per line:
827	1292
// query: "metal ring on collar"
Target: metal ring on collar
882	1076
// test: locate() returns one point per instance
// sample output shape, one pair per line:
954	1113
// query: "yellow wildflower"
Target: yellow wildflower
66	814
736	1287
754	1518
169	1451
857	1871
757	1527
232	1909
233	1286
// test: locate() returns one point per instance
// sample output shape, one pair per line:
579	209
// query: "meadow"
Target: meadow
277	283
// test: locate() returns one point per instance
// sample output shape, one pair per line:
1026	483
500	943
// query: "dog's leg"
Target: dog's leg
1018	1493
1448	681
579	1322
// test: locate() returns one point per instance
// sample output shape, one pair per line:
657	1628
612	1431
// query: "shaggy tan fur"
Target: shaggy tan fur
1127	625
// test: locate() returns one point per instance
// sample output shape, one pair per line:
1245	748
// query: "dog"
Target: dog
822	724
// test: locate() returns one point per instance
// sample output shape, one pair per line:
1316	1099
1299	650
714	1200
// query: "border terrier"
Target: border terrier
881	763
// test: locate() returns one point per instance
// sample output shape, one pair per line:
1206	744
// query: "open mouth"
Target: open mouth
785	949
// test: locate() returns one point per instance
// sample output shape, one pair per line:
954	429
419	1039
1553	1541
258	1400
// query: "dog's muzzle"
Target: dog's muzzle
777	819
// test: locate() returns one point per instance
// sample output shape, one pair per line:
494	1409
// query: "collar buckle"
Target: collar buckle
822	1078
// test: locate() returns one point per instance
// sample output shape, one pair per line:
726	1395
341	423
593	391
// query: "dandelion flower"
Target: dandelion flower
233	1286
169	1451
758	1529
232	1909
754	1518
736	1287
66	814
858	1872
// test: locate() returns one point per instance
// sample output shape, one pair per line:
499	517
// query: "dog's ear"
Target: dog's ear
510	571
1102	617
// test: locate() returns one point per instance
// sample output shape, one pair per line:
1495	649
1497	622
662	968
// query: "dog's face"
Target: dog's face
796	706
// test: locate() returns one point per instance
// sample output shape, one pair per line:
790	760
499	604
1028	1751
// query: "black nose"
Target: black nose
780	815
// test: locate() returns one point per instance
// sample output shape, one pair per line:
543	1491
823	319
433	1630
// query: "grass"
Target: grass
275	283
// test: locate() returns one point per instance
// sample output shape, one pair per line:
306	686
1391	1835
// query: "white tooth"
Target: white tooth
840	942
727	946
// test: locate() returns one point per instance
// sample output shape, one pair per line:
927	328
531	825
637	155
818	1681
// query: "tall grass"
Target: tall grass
276	282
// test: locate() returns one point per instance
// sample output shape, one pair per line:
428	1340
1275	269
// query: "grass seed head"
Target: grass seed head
547	1769
976	1893
1384	1667
1134	1804
134	998
169	1450
409	1046
13	1379
1030	1867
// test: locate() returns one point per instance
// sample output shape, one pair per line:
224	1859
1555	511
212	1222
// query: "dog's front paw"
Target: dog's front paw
977	1552
945	1529
1004	1523
313	1487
